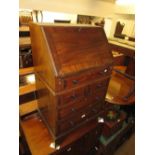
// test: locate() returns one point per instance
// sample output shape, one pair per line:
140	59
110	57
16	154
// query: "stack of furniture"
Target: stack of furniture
27	89
73	65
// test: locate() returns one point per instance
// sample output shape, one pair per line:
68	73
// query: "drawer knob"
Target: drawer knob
83	116
105	70
73	109
69	149
73	97
75	82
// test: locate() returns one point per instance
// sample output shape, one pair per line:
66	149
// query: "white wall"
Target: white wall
51	16
110	11
85	7
128	20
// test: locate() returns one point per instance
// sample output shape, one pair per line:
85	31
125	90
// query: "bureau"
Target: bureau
73	65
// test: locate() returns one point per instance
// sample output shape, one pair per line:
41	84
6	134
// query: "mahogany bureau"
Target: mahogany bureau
73	64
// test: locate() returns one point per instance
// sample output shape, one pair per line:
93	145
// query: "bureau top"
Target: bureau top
71	48
64	25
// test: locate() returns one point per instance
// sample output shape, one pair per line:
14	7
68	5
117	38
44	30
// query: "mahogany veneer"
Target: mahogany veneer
73	65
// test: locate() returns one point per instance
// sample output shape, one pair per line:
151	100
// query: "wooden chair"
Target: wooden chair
121	90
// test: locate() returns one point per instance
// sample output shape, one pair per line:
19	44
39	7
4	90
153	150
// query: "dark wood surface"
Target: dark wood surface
73	65
76	48
119	87
60	51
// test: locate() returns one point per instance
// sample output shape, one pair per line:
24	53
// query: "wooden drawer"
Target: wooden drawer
83	102
98	97
101	72
83	94
75	120
83	78
72	97
72	108
100	86
78	106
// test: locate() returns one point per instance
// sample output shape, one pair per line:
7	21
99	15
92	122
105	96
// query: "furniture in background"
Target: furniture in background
120	123
27	88
126	55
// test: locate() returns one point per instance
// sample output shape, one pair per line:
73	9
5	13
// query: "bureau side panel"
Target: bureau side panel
47	105
42	59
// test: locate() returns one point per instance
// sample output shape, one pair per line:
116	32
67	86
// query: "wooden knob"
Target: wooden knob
105	70
69	149
75	82
73	109
73	97
83	116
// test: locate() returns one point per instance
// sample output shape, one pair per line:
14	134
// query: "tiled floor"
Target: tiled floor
127	148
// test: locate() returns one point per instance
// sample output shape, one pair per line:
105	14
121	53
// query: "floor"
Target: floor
127	148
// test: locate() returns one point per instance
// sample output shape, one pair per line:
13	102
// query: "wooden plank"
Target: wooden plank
24	42
27	89
28	107
24	28
24	71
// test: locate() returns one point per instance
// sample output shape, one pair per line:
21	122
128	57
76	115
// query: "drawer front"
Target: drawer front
102	72
72	97
88	97
82	78
72	108
100	86
84	93
78	118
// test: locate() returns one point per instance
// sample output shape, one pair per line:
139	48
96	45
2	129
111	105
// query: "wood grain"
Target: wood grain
24	42
27	89
24	71
28	107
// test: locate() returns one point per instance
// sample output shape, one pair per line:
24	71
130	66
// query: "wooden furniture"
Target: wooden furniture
110	127
121	93
128	50
27	104
120	90
109	146
73	65
39	140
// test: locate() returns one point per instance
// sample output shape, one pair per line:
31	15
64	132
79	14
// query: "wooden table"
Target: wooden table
122	48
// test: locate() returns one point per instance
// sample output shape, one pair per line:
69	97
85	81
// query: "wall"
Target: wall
128	20
85	7
51	16
100	8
